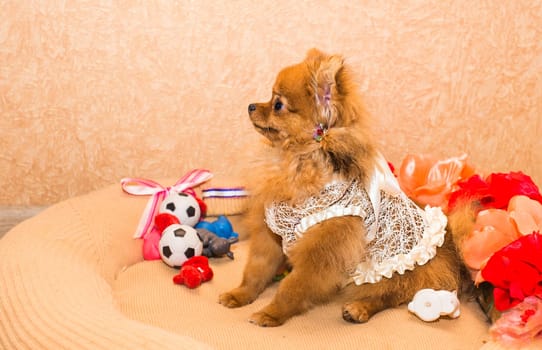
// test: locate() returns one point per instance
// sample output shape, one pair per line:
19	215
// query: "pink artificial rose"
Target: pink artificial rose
526	213
496	228
428	181
520	325
492	230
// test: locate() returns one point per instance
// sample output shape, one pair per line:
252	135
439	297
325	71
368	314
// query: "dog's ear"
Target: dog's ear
325	70
327	77
314	54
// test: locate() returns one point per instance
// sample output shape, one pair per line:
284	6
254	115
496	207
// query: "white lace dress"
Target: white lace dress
400	235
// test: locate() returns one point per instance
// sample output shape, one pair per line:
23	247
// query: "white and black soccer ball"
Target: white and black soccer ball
178	244
183	206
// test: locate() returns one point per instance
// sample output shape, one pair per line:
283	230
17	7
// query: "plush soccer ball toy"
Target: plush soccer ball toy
178	244
184	206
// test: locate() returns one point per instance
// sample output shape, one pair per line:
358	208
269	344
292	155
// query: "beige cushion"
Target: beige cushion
72	277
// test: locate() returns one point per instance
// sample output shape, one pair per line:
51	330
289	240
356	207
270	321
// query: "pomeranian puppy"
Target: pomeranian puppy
327	205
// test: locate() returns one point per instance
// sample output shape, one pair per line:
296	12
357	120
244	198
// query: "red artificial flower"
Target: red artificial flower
473	188
502	187
515	271
527	314
495	191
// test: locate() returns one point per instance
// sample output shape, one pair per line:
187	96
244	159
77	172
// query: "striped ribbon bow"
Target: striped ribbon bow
145	187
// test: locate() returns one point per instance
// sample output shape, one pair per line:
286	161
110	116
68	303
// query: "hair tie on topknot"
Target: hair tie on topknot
319	132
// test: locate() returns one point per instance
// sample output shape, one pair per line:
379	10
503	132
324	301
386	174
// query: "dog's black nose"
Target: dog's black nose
251	108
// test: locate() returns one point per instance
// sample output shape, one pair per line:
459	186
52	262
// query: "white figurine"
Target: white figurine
430	304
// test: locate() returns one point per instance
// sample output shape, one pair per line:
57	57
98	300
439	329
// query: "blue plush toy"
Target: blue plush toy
221	227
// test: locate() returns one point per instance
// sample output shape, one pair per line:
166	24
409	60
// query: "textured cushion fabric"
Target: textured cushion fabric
56	276
72	277
145	292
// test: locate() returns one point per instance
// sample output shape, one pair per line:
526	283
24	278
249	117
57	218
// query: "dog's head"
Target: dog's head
316	109
307	99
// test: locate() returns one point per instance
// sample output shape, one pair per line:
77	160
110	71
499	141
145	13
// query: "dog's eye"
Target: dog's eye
277	106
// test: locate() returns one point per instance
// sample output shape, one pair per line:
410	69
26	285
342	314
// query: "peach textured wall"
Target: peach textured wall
92	91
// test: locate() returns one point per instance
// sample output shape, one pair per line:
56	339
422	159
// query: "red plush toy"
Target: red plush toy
163	220
194	272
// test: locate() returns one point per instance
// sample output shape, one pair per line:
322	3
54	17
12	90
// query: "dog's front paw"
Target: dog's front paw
263	319
355	312
236	298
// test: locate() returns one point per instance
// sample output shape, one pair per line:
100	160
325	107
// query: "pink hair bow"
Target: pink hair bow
145	187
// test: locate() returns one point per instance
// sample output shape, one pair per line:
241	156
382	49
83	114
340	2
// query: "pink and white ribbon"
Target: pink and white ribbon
145	187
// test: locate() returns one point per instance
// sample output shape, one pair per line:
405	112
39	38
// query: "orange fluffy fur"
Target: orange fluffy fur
320	90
